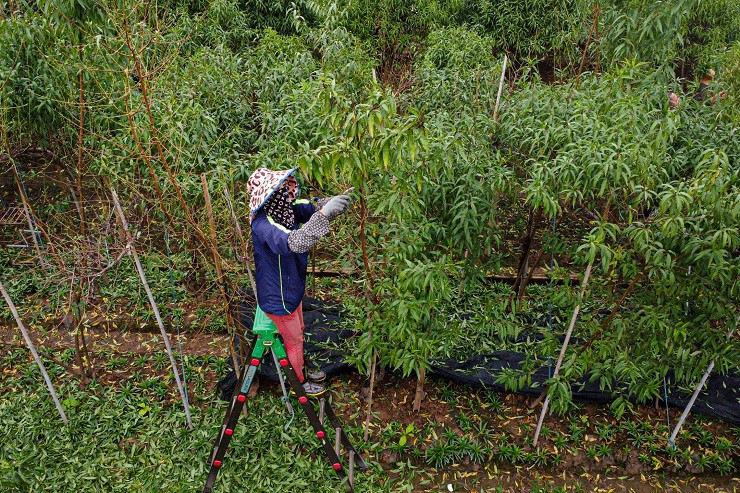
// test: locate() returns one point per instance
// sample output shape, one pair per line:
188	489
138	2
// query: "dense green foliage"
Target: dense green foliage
397	99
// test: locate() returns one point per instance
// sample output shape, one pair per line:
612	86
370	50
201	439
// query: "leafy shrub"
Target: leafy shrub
459	49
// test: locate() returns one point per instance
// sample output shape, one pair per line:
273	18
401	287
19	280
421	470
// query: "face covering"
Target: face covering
280	207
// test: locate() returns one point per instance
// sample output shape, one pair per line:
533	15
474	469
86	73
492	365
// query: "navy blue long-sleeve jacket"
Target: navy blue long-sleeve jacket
279	272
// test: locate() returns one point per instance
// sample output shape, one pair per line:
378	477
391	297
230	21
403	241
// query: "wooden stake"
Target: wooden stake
573	319
132	251
500	88
32	348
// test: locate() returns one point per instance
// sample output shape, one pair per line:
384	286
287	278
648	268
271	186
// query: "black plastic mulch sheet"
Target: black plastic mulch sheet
322	332
720	398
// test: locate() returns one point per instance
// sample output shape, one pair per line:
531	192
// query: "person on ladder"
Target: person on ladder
284	228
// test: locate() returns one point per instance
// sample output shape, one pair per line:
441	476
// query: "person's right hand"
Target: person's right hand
336	206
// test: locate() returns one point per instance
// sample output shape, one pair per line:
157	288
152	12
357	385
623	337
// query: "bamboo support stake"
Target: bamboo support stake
214	250
573	319
219	273
132	251
369	414
242	240
243	245
32	348
500	88
212	226
699	387
32	230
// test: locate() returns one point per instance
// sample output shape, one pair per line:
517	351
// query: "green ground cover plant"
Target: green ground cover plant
125	434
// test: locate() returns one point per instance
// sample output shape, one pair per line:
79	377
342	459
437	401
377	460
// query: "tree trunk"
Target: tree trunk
524	257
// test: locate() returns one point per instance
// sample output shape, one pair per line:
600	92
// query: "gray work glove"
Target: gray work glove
336	206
